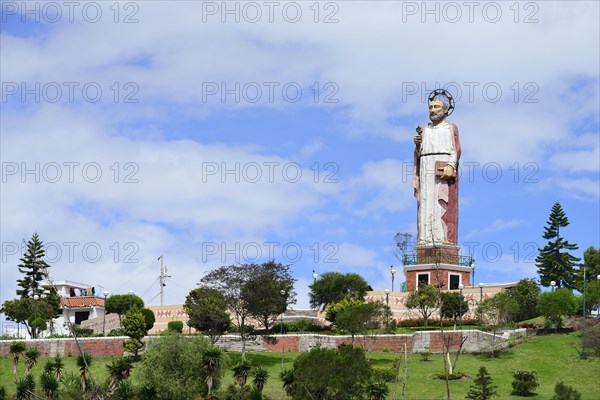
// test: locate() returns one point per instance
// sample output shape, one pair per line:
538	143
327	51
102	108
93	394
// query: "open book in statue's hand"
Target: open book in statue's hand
439	169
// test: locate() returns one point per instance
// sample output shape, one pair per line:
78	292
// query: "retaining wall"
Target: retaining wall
419	342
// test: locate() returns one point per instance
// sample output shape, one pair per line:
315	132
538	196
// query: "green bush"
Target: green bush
565	392
524	383
172	367
175	326
117	332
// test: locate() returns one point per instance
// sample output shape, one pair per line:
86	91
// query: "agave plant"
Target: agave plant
25	388
31	356
119	370
241	371
49	385
377	390
16	350
287	376
83	363
58	365
211	362
260	376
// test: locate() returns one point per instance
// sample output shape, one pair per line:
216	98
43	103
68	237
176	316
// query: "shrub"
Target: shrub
524	383
83	332
117	332
451	377
565	392
591	341
172	368
175	326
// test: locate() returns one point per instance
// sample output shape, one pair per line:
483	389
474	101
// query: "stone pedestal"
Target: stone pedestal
439	265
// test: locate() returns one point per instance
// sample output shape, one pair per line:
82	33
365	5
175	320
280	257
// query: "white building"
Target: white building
79	302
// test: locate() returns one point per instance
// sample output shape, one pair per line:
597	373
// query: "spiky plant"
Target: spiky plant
31	356
83	363
260	376
16	351
287	376
49	385
59	365
241	371
211	362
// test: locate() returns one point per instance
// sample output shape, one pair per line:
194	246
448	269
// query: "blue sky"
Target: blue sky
130	129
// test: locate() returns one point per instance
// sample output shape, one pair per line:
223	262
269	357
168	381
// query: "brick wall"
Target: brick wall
431	341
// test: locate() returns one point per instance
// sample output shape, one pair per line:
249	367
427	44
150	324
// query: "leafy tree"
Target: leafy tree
149	318
499	310
554	262
332	287
554	305
263	292
333	374
231	281
360	318
207	312
426	300
135	327
453	305
172	368
592	295
175	326
332	310
121	303
526	295
18	310
482	388
591	260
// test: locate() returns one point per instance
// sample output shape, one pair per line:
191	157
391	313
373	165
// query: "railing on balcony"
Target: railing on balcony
439	258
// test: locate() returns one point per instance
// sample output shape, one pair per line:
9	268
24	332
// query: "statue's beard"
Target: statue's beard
436	117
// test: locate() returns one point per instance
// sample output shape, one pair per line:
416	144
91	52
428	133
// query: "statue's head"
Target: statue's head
437	110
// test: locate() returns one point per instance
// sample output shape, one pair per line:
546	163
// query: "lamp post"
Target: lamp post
130	298
582	354
460	288
472	272
104	317
480	301
553	283
315	276
393	272
34	330
282	293
387	303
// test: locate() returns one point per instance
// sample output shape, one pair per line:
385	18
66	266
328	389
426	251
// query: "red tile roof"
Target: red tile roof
86	301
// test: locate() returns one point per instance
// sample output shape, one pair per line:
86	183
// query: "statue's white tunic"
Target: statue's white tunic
437	145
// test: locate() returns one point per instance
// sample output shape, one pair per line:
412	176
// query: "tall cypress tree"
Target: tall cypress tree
554	261
34	267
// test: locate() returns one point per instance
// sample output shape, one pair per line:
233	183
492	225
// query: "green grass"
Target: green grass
553	357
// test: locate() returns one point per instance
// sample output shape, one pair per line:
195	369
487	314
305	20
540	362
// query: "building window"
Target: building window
454	282
422	279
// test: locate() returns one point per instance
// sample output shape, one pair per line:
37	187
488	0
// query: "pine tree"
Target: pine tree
34	267
482	388
554	262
